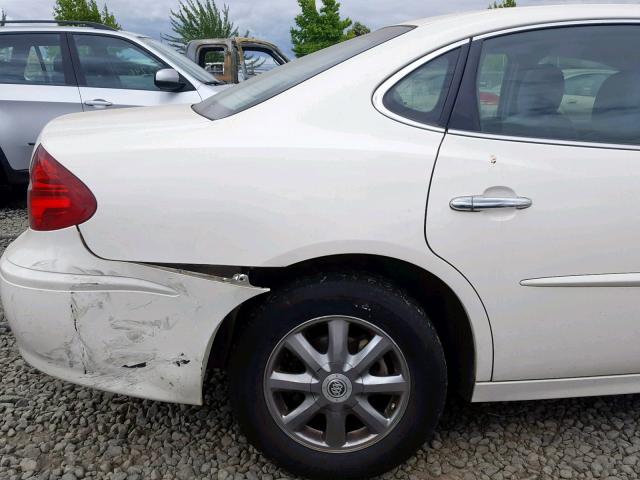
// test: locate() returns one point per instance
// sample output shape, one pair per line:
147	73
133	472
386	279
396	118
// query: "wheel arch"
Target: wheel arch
441	303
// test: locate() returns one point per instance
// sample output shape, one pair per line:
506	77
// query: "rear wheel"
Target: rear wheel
338	375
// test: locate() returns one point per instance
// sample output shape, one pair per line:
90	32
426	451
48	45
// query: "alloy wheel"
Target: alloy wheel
337	384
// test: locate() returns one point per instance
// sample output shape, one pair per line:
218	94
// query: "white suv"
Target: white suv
49	69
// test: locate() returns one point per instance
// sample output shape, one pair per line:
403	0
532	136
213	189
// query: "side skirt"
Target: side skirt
556	388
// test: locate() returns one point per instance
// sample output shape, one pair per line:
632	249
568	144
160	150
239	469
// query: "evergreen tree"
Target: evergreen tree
503	4
196	19
318	29
84	10
357	30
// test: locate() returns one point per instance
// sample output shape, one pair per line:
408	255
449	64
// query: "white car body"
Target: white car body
550	316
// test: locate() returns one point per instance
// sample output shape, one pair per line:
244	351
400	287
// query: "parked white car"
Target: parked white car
378	239
50	68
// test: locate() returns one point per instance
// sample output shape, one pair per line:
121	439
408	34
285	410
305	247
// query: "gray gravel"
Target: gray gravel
50	429
13	216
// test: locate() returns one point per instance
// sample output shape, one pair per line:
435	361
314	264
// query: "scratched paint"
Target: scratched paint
125	328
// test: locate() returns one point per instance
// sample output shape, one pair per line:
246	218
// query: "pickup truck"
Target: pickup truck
233	60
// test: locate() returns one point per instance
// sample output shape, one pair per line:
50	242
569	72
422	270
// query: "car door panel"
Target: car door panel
581	223
559	278
38	85
24	111
121	98
115	73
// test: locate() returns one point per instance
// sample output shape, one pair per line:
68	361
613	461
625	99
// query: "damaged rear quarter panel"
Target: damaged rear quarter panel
117	326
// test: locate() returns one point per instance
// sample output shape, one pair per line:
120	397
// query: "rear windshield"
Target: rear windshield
268	85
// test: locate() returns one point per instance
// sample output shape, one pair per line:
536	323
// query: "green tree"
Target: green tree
503	4
318	29
109	18
196	19
357	30
3	16
84	10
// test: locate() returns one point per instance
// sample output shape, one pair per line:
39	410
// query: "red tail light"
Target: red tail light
57	198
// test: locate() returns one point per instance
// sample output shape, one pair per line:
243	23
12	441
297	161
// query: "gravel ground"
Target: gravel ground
50	429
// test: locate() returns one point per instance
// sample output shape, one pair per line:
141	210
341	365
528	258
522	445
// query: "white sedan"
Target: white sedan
353	235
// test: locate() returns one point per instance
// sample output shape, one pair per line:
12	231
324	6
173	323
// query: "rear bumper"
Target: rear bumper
126	328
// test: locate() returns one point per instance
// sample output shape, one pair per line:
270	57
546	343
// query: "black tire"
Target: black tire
354	295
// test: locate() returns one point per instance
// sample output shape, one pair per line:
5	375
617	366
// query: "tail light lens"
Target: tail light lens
57	198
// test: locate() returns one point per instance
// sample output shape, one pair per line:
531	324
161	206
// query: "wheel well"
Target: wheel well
439	302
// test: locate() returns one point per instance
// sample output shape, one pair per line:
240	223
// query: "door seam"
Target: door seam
493	354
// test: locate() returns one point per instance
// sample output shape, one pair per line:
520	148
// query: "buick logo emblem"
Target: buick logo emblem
337	388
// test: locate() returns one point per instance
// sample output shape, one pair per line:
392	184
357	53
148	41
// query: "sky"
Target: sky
267	19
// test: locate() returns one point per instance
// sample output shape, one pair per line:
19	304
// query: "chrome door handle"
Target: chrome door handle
98	102
477	203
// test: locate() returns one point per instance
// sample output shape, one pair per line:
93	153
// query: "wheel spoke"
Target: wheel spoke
338	336
294	382
374	420
390	384
302	414
362	361
336	434
312	359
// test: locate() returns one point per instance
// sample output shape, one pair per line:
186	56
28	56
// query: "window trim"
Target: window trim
544	26
67	64
473	64
380	91
543	141
82	81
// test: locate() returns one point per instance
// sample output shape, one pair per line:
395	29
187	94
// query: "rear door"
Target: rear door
537	204
37	86
114	72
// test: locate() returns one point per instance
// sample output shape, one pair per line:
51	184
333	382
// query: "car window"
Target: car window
490	77
577	83
110	62
36	58
420	95
257	61
263	87
217	61
214	60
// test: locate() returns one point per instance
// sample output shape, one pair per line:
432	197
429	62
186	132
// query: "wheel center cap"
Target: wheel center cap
337	388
